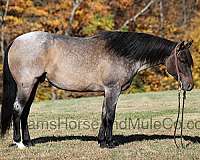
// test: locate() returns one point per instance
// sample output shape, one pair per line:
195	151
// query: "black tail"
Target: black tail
9	95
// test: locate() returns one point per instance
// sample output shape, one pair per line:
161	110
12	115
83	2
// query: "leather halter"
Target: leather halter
176	52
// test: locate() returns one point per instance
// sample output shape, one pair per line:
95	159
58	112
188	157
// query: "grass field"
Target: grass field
67	129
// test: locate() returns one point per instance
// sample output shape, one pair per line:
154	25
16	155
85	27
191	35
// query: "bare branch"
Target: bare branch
133	19
2	28
76	4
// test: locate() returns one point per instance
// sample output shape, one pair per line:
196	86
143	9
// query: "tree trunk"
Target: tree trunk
2	28
161	19
184	8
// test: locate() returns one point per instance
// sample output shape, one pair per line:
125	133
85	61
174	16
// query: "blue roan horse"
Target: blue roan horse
105	62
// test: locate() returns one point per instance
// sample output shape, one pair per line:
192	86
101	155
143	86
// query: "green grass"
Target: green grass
138	129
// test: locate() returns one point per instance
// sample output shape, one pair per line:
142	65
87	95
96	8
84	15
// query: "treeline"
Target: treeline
174	19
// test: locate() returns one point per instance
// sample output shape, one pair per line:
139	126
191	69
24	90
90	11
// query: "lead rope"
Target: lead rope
179	97
184	97
179	104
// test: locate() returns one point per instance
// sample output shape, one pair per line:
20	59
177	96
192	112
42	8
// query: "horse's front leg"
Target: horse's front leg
101	135
108	116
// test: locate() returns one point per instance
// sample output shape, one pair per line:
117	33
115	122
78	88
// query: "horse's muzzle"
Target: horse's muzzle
187	87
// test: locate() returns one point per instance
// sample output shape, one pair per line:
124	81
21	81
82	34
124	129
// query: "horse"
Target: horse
106	62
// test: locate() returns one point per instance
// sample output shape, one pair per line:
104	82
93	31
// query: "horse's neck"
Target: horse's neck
144	65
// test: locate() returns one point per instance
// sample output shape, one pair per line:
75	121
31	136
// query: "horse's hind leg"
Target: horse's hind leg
23	93
24	117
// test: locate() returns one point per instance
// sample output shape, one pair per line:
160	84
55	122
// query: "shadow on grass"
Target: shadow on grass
119	139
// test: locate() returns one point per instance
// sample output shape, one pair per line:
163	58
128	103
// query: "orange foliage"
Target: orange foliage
94	15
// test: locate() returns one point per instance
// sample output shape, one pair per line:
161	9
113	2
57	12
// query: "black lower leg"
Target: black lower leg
112	95
109	130
24	118
25	132
101	135
16	127
108	116
20	102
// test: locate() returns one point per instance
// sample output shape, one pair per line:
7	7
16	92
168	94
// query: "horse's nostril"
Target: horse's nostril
190	86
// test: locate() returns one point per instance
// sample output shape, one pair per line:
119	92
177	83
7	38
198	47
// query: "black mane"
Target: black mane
138	46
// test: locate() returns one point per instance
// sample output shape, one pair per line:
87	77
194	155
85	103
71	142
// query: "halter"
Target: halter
176	52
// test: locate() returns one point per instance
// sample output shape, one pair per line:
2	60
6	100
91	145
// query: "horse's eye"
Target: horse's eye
182	60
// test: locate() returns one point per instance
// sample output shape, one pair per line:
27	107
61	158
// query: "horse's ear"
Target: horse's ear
180	46
188	44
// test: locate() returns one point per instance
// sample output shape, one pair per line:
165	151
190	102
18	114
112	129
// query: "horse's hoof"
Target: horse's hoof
103	144
13	145
19	145
112	144
28	143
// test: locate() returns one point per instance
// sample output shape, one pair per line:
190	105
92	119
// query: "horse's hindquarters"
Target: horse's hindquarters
27	57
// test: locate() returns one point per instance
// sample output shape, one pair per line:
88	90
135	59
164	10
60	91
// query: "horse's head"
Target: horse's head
179	65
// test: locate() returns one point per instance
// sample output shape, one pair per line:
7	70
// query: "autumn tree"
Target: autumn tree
168	19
